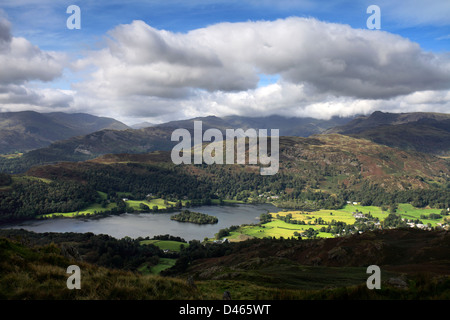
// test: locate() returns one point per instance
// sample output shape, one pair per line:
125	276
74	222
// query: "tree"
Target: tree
393	208
311	233
265	217
394	220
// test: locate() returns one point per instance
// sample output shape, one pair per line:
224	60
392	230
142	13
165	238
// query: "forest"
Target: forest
101	250
27	198
69	187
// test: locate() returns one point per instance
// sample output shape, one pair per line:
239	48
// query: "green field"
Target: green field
164	263
97	208
326	215
166	244
408	211
12	155
134	204
91	210
278	228
158	202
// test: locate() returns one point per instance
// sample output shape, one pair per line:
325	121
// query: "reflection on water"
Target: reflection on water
152	224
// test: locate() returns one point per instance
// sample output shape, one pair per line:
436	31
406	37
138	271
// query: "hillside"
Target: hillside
423	132
379	118
89	146
350	161
38	272
319	172
396	250
420	131
298	127
28	130
404	256
154	138
427	135
414	265
322	161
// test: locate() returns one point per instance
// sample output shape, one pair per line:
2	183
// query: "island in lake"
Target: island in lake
194	217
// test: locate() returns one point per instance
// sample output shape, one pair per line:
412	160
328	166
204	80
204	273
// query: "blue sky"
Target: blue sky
43	24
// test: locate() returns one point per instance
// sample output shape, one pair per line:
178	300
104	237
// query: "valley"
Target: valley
351	219
339	203
220	159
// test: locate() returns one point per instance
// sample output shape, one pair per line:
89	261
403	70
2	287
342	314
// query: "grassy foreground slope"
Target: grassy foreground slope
35	273
414	265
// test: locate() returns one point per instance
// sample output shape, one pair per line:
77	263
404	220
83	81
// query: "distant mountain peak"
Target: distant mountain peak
28	130
427	132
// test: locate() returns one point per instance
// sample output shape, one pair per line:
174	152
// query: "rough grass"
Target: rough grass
164	263
40	273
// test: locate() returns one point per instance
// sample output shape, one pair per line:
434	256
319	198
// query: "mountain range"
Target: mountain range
298	127
418	131
328	162
324	170
123	139
29	130
422	132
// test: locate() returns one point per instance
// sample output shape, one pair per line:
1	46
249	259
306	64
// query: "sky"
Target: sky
159	61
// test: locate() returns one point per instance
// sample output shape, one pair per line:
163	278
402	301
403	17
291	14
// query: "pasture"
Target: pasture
93	209
278	228
166	244
164	263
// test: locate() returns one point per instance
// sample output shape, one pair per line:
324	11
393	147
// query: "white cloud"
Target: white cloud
20	97
324	69
21	61
22	64
321	70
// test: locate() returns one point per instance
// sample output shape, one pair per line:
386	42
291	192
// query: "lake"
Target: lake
136	225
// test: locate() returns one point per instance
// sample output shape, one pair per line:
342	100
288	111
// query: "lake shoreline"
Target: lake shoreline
108	213
139	224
